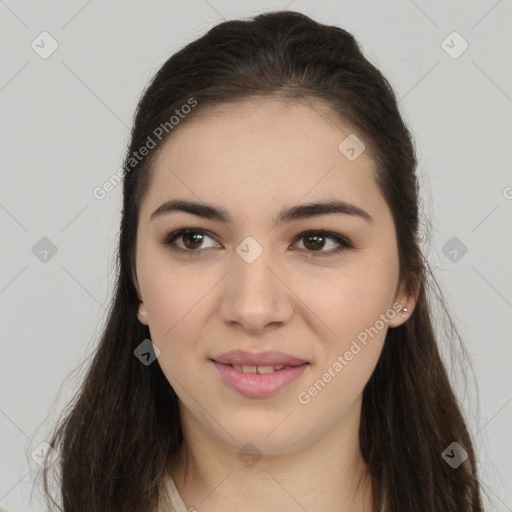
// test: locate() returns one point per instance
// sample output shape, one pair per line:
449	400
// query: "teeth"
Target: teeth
257	369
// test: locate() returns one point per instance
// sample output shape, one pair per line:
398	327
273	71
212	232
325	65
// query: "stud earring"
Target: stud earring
404	309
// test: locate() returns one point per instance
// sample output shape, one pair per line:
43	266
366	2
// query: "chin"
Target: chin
264	440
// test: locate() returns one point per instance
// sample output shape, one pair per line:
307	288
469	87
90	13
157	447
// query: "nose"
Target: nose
256	296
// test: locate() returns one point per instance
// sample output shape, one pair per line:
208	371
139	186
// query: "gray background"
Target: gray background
65	123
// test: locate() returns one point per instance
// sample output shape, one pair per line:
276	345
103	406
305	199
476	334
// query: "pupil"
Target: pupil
197	244
316	244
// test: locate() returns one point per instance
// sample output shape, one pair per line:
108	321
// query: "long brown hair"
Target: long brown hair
117	437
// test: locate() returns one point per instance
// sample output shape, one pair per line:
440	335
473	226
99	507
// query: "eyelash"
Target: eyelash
344	243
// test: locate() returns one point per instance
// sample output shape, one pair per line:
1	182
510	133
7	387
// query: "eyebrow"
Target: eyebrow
301	211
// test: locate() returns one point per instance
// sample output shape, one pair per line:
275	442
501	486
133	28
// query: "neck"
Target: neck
325	475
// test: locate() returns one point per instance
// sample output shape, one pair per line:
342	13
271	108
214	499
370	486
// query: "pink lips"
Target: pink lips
254	384
269	357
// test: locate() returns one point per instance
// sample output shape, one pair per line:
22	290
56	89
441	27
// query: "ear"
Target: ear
402	300
142	314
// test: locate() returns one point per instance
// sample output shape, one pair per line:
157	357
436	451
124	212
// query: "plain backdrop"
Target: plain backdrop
65	122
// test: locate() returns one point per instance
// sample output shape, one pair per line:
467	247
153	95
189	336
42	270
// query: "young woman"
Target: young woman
270	346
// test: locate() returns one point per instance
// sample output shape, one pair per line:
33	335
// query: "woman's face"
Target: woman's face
253	284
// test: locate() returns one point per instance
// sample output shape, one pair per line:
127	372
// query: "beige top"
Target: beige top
174	503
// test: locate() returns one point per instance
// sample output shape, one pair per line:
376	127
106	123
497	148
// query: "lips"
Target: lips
256	385
267	358
251	374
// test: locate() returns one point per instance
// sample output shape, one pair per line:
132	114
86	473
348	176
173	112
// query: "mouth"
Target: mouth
254	360
258	381
261	369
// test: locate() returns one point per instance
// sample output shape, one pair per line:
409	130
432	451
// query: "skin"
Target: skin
254	158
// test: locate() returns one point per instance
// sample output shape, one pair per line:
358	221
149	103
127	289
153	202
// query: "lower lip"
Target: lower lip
258	385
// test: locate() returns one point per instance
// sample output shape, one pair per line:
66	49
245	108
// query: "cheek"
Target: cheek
175	305
350	349
352	298
170	291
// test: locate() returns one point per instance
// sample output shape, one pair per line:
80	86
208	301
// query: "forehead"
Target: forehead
263	150
285	127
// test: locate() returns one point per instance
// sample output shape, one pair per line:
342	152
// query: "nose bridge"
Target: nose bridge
254	295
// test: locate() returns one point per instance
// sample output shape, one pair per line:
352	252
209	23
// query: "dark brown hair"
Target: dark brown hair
116	438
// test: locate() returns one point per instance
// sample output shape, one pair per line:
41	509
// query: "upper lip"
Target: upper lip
267	358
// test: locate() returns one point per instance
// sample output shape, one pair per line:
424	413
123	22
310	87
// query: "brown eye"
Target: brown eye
192	240
315	242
